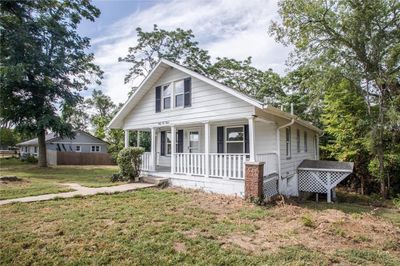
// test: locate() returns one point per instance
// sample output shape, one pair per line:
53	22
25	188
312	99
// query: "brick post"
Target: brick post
253	180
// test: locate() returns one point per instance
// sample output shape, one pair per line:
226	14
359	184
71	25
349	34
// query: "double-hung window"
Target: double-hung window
179	93
166	96
78	148
288	143
95	148
234	139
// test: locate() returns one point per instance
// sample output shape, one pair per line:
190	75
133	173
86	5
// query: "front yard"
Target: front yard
37	181
174	226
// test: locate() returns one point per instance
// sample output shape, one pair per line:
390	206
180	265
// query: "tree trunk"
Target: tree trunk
362	181
42	148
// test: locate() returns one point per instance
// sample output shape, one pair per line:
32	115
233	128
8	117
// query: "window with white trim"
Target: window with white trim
166	96
95	149
35	149
288	142
298	140
78	148
179	93
234	139
305	141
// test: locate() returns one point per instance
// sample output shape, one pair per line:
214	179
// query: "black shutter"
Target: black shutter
179	148
220	139
188	92
158	99
246	139
162	143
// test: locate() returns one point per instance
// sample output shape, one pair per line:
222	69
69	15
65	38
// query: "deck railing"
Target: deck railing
190	163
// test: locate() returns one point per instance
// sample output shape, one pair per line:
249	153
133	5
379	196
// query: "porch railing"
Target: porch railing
190	163
225	165
146	161
271	162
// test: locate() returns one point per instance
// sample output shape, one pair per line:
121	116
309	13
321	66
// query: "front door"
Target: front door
194	141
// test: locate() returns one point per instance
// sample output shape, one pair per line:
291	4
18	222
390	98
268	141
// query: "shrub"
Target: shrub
129	161
117	177
29	158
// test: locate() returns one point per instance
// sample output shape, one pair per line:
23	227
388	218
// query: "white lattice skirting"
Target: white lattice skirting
320	181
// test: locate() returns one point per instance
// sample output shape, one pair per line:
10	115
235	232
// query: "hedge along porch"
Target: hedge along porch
203	132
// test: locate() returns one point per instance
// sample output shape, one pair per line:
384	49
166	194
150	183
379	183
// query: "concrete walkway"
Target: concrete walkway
80	190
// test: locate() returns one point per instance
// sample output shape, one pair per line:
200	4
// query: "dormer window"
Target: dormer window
167	96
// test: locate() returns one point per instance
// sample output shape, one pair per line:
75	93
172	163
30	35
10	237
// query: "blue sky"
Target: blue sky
231	28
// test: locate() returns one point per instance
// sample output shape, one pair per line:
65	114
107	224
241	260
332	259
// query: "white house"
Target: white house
203	132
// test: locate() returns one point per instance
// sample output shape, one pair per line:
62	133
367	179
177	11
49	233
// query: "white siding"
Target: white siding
289	165
208	103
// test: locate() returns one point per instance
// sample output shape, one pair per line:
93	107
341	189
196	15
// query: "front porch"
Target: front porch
211	153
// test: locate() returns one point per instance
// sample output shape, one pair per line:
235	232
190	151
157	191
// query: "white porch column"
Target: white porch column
126	138
138	138
252	137
173	148
153	148
207	148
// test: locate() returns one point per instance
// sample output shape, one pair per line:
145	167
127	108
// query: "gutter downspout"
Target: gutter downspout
278	141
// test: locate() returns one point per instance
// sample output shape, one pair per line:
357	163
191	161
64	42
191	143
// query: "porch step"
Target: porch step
155	180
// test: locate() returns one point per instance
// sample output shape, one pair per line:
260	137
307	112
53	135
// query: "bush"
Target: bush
129	161
117	177
29	158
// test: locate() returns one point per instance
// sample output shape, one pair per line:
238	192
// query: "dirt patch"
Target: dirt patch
291	224
11	179
180	247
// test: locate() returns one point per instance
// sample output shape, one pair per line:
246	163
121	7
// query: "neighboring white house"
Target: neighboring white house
82	142
202	132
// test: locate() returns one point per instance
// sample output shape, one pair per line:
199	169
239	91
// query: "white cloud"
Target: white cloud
230	28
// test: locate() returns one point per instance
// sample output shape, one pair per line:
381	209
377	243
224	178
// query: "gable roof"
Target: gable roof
53	137
159	70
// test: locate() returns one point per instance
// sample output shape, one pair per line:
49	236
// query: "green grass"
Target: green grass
39	181
145	227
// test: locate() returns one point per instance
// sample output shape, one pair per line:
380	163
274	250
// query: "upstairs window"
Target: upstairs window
288	143
166	94
234	139
179	91
305	142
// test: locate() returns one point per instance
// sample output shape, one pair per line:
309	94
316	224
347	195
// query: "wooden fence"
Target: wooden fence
84	158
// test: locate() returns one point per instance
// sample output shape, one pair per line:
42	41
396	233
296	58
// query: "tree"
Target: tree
177	46
360	39
77	116
7	138
103	108
44	64
242	76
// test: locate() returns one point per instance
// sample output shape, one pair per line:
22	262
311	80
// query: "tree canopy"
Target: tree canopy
44	63
358	41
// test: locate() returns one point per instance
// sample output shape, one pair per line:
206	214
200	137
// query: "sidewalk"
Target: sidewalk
80	190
